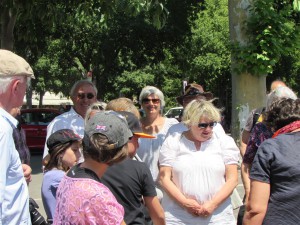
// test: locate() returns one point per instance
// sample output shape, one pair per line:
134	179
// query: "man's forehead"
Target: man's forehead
84	87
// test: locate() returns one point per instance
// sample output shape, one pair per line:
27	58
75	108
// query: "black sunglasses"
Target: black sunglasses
88	95
205	125
148	100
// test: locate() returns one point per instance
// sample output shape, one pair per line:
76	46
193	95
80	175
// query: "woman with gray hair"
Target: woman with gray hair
260	132
275	172
152	101
198	170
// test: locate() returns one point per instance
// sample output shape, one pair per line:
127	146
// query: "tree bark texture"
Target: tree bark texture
8	20
248	90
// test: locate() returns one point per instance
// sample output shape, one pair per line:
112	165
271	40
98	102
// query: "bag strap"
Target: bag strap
256	115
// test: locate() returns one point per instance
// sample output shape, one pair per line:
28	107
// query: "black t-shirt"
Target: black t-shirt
129	181
81	172
277	162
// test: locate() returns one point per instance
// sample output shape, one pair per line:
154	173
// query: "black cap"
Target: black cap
61	137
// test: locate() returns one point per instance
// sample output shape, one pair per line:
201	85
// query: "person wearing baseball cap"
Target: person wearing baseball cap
81	197
64	152
131	181
15	72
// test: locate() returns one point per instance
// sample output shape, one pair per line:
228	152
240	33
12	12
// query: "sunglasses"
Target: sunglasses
205	125
88	95
148	100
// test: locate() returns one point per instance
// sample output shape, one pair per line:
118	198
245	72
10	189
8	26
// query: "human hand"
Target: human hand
207	209
192	206
27	173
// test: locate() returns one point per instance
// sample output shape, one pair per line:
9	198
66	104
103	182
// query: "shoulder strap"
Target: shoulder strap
256	115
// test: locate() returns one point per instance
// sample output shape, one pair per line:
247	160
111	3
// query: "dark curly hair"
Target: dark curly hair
282	113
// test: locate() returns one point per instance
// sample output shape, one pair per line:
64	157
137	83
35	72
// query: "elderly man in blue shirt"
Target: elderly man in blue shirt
14	203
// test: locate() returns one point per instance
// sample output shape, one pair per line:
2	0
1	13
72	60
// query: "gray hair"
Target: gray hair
148	90
6	80
79	84
279	93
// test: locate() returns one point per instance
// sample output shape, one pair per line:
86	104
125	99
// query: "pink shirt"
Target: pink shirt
86	201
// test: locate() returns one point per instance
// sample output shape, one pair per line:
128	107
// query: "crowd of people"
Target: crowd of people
104	163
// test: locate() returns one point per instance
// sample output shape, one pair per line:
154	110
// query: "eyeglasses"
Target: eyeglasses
148	100
205	125
88	95
193	92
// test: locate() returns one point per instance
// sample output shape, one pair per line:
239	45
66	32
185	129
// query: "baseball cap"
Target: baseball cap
112	125
194	90
134	124
61	137
13	65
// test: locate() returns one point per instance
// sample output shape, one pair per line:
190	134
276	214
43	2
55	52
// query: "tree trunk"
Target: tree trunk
8	20
248	90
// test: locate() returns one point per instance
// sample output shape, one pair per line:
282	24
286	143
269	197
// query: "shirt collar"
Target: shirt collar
72	110
9	117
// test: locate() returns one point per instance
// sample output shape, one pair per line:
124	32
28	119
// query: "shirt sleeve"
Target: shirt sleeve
261	165
168	151
50	130
230	150
259	134
6	145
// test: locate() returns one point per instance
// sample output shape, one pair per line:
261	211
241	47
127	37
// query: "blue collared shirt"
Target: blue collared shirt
14	202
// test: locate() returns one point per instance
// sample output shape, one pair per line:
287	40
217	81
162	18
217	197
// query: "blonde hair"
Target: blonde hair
123	104
199	108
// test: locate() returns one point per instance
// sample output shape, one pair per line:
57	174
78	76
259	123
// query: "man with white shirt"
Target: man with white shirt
15	72
83	94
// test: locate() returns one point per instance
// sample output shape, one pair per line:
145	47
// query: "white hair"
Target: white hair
148	90
279	93
6	80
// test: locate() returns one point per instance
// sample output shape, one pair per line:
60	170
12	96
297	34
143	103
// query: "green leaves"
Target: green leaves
273	32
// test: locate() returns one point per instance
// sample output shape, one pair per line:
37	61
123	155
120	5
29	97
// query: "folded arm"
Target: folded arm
231	176
191	205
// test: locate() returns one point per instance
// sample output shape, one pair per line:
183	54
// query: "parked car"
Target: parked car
175	112
35	122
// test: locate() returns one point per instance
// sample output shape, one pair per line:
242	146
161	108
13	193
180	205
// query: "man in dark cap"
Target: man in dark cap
81	197
131	181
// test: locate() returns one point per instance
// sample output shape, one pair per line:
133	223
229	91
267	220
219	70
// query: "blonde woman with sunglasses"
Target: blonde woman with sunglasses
198	170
